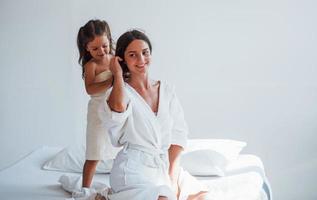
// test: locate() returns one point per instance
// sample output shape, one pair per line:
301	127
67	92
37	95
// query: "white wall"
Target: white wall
244	70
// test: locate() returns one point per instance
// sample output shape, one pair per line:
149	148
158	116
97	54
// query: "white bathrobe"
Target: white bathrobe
140	170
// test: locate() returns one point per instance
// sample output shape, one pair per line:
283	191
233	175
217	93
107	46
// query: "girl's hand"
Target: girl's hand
115	66
198	196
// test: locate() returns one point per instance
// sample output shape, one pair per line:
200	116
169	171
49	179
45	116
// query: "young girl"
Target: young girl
95	51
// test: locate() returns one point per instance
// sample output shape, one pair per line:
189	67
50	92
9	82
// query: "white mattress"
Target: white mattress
26	180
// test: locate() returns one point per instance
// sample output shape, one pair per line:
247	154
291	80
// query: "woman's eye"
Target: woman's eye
146	52
132	55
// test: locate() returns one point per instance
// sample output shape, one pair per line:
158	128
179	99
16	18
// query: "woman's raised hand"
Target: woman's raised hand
115	67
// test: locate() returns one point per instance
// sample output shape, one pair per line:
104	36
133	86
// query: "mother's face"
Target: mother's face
138	57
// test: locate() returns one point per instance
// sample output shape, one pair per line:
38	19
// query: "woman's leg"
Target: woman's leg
89	171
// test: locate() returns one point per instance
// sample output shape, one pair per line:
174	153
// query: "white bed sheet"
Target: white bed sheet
26	180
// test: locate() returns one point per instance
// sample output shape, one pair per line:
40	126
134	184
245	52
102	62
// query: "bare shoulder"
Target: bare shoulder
90	65
90	71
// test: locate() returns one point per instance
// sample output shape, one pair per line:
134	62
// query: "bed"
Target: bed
27	180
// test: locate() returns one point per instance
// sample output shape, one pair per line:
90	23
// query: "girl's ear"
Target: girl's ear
87	48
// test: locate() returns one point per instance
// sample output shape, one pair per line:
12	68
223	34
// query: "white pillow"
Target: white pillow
72	159
230	149
210	157
204	162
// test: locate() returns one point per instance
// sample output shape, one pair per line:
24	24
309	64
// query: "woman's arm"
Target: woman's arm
117	97
174	153
178	139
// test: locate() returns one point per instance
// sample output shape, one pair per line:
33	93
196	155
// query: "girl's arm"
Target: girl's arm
90	85
117	97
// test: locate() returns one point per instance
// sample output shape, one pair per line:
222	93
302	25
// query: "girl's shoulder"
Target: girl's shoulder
90	69
90	63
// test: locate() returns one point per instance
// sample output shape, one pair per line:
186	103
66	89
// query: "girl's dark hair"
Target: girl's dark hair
122	44
86	34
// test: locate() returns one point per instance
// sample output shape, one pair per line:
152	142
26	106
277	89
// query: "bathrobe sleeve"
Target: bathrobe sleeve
115	122
179	127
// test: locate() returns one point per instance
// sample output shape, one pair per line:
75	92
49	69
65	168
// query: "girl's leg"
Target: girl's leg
162	198
88	172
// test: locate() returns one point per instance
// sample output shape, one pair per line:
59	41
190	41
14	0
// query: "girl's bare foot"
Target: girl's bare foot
198	196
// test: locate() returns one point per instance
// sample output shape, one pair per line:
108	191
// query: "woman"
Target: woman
146	118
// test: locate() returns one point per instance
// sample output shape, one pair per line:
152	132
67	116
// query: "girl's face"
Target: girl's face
137	57
99	47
